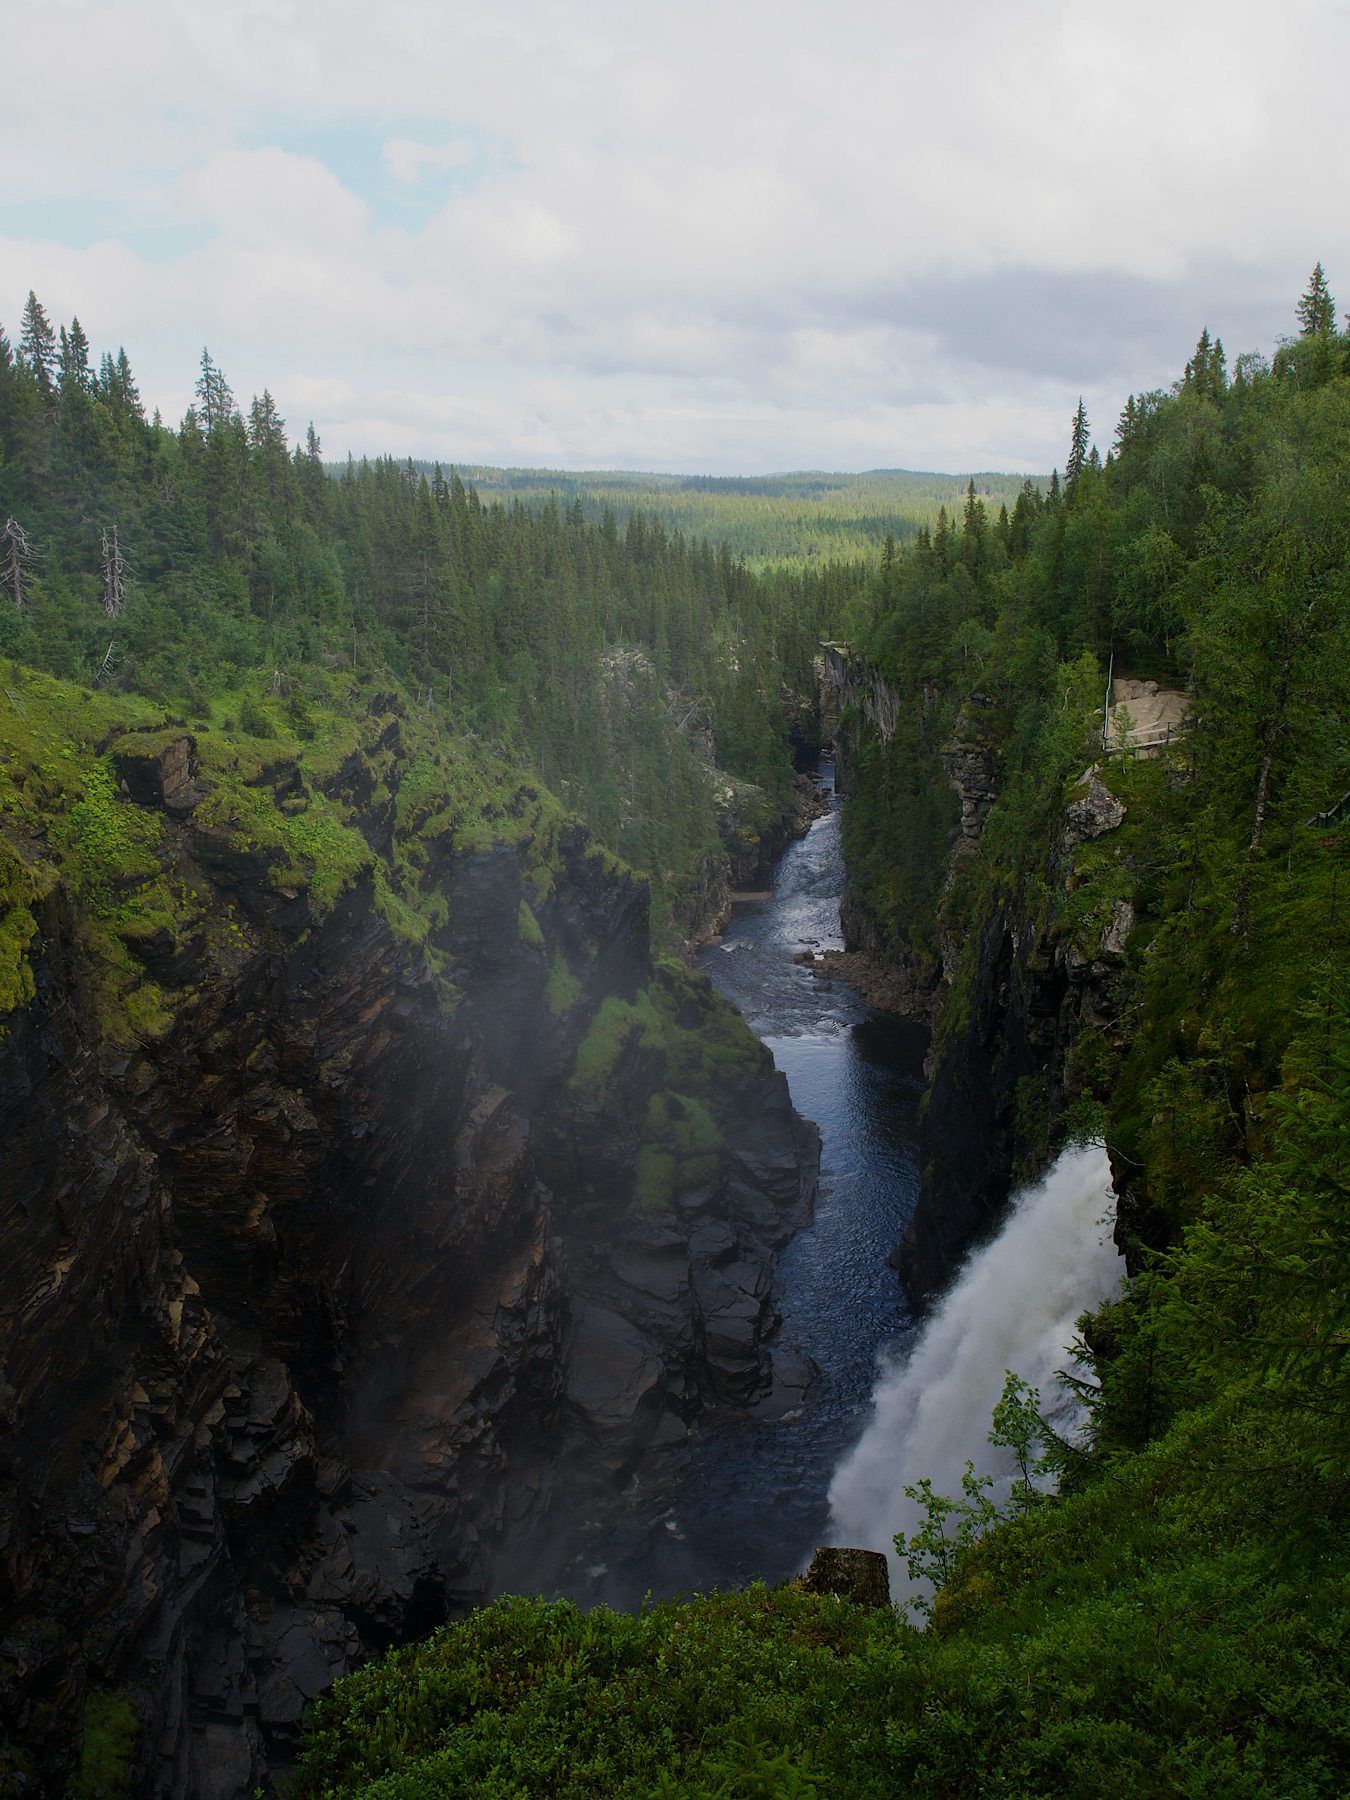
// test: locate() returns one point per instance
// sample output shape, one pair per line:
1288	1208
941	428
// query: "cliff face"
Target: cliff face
1040	999
860	707
1028	992
312	1280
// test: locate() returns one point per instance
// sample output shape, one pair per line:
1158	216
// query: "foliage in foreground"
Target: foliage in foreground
1180	1628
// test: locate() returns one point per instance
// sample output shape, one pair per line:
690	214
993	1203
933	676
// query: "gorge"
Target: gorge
400	1217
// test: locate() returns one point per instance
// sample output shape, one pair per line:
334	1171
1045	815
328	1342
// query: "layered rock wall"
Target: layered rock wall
309	1292
1022	992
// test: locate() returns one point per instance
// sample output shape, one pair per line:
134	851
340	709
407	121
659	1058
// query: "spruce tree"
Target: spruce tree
213	391
1078	449
266	427
37	342
128	394
74	358
1316	310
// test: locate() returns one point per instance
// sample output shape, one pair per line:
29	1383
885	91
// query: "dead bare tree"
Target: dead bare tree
19	557
108	665
115	572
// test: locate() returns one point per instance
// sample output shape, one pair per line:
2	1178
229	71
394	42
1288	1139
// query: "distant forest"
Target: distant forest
810	517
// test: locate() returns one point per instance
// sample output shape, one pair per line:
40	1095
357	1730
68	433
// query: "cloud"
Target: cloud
706	237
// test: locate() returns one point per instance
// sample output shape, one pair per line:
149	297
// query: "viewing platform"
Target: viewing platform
1157	715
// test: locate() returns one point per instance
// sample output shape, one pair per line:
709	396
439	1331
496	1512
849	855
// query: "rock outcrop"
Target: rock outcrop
332	1235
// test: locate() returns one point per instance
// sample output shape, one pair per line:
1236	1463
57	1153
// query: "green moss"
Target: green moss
110	844
697	1171
337	854
709	1046
20	888
112	1729
267	796
614	1025
563	989
654	1191
682	1148
693	1130
541	882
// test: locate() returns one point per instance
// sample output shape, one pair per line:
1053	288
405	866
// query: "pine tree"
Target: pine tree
37	342
1316	311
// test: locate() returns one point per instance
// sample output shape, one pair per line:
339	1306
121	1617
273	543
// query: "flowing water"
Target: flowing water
753	1497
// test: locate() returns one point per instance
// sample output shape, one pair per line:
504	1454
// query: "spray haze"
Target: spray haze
1014	1306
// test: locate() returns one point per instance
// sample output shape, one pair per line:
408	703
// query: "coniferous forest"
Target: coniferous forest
218	569
1163	1605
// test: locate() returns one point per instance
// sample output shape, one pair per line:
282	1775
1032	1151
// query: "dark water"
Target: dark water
748	1498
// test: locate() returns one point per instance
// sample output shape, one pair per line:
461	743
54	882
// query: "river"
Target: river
751	1498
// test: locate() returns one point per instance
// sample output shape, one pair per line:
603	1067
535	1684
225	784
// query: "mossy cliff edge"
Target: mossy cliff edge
356	1157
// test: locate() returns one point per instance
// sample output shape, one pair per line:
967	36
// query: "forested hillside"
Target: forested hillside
219	570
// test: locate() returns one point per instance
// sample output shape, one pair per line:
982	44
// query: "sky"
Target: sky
732	237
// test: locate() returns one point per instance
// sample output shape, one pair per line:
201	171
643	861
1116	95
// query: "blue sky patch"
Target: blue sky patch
403	189
78	223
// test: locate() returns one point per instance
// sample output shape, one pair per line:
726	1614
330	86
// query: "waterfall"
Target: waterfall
1013	1306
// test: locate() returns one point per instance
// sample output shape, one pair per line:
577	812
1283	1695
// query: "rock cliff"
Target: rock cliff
1040	1001
1028	992
362	1172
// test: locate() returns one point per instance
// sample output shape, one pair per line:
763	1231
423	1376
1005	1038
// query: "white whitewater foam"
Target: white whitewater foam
1013	1306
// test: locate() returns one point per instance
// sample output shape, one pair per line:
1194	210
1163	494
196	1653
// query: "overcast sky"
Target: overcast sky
732	237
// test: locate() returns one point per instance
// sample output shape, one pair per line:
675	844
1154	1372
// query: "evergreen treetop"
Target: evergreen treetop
1316	310
37	341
